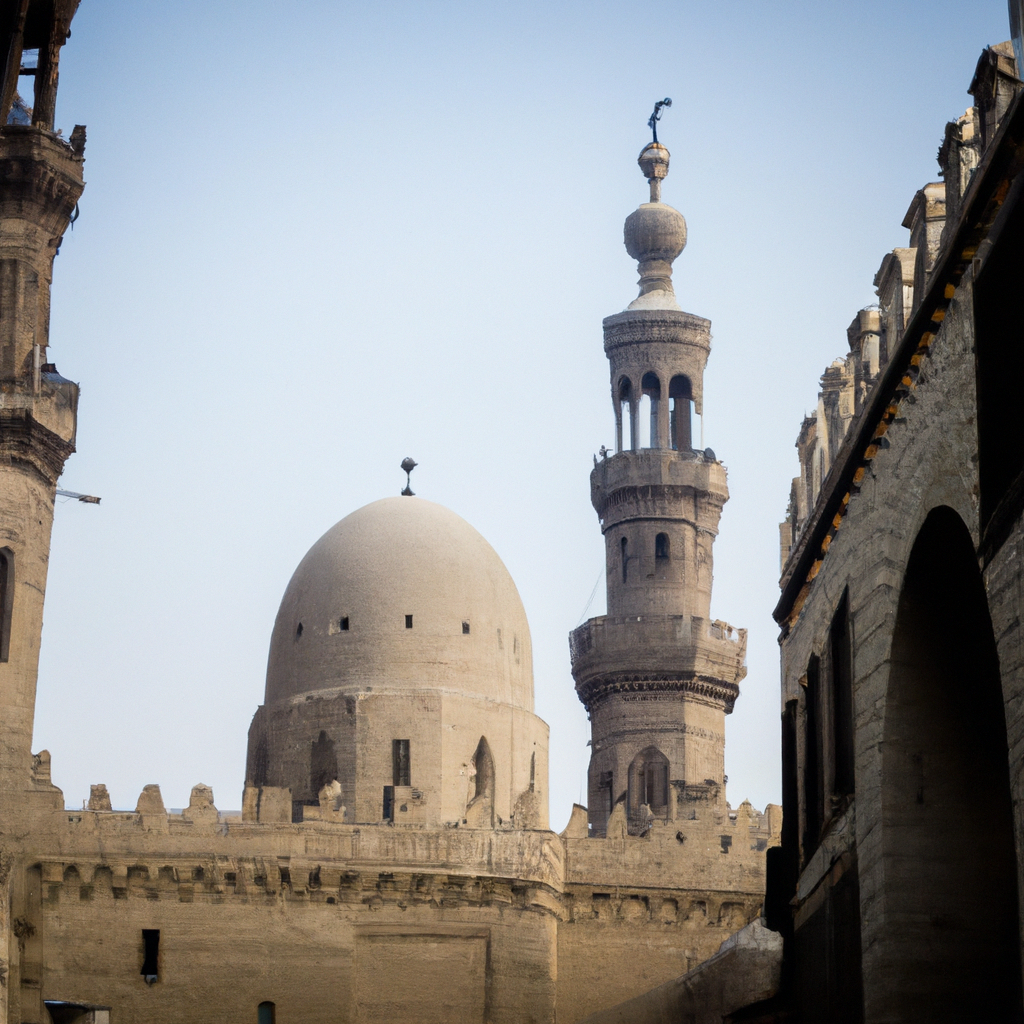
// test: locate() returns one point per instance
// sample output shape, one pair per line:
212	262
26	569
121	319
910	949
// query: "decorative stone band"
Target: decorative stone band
718	691
663	325
658	501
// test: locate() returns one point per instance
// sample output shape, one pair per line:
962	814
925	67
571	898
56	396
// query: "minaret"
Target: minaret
655	674
40	183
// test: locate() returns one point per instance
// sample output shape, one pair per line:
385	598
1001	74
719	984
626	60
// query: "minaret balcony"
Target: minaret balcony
616	654
654	482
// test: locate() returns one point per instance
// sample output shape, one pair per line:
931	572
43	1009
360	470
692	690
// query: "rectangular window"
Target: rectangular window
813	766
408	622
842	700
150	954
400	769
6	600
344	623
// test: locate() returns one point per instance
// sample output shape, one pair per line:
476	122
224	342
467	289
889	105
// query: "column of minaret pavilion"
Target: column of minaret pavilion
656	674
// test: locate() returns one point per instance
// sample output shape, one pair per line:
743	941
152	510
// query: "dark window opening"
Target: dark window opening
533	770
150	954
343	625
401	773
842	700
266	1013
6	600
465	628
623	546
661	547
998	314
298	631
408	622
814	786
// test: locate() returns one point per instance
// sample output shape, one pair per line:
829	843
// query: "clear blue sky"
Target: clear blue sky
318	237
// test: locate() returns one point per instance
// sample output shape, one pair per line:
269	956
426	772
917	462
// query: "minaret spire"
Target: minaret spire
656	674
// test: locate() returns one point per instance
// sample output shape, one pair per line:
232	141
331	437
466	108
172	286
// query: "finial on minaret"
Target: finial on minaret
655	234
654	158
408	465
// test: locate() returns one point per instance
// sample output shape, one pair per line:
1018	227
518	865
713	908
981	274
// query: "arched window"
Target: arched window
661	548
484	764
6	600
680	396
266	1013
648	782
649	402
624	553
624	417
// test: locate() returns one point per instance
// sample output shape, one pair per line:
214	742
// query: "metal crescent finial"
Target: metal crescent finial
656	116
408	465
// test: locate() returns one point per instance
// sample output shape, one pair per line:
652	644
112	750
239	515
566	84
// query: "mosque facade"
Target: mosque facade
393	858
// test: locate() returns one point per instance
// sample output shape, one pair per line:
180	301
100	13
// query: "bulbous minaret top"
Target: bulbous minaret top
654	235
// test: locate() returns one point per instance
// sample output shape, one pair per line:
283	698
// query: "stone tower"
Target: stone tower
656	674
42	181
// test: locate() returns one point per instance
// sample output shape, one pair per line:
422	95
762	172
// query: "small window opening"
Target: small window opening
401	772
623	546
661	548
408	622
533	770
465	628
266	1013
150	954
343	625
298	631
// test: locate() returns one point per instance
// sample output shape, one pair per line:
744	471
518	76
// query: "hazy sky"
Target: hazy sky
318	237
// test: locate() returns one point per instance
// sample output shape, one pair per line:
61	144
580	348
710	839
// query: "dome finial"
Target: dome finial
408	465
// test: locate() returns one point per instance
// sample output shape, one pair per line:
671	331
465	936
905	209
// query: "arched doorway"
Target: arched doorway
948	947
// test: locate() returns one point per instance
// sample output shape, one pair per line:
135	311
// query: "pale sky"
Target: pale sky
319	237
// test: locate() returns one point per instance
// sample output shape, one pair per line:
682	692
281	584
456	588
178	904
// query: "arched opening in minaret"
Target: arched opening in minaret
624	417
662	557
480	809
950	948
6	600
648	786
680	396
650	400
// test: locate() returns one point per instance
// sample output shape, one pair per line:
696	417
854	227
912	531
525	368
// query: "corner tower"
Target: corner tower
656	675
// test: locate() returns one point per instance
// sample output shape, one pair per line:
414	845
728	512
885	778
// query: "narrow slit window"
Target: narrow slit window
266	1013
150	954
465	628
6	600
408	622
623	546
298	631
343	625
401	771
661	547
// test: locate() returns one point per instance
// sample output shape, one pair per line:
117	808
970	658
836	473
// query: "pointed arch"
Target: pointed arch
950	949
648	783
480	810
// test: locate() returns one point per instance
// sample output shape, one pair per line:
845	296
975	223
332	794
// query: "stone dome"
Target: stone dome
402	595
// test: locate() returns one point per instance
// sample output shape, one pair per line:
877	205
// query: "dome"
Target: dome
402	595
